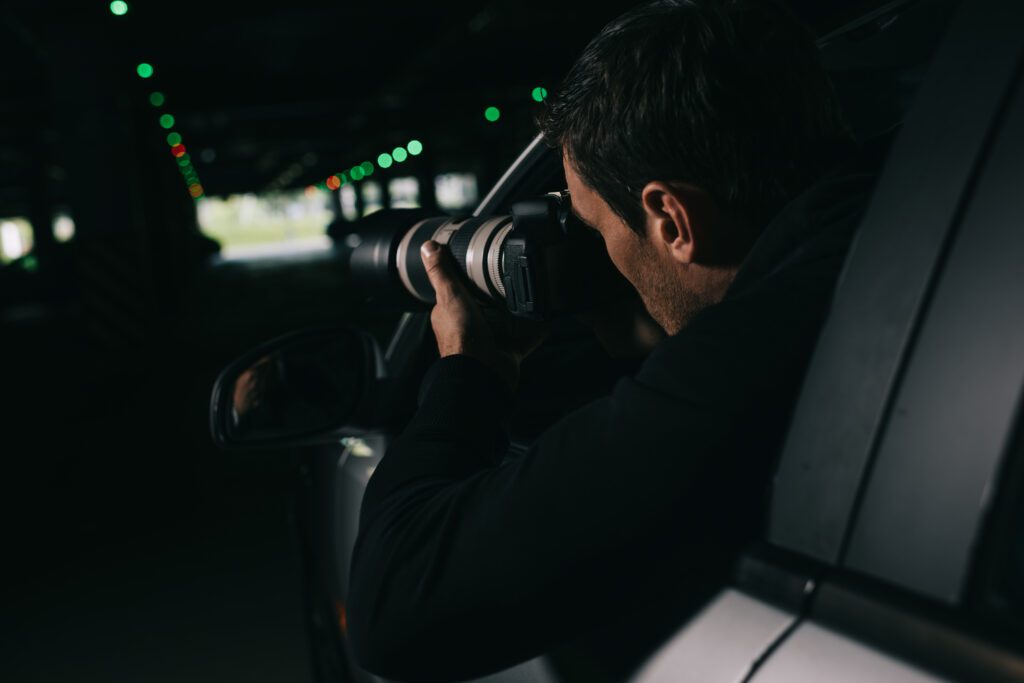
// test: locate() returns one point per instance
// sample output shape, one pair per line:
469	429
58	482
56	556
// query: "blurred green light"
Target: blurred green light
414	147
344	178
157	99
385	160
173	139
144	70
356	173
167	121
399	154
367	168
184	160
540	94
492	114
30	263
119	8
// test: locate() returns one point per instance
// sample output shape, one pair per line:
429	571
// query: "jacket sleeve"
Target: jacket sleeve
466	564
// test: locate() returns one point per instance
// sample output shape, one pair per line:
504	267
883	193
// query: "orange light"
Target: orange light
333	182
310	191
195	190
342	618
178	150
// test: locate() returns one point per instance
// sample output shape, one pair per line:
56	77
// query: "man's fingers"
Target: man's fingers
445	283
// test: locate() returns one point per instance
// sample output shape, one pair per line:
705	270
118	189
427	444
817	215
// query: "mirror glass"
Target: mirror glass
300	385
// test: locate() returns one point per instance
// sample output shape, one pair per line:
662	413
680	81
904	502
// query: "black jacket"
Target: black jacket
626	513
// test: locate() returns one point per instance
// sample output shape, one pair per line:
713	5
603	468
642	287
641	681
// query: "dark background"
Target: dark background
134	549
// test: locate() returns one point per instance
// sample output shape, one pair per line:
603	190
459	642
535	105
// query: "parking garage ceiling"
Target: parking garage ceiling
281	94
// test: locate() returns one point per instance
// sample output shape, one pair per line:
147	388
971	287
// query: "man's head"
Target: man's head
685	126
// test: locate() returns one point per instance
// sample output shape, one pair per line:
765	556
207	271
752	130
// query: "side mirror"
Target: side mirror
301	388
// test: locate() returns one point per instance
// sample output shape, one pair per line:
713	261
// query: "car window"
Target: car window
1015	567
998	580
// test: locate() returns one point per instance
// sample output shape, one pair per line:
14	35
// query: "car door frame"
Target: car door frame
849	458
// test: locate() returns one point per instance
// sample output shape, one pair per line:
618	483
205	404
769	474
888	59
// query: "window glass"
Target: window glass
456	191
999	565
404	193
63	227
255	225
1014	581
372	197
15	238
348	203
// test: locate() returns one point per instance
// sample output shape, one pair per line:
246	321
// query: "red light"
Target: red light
333	182
195	190
178	150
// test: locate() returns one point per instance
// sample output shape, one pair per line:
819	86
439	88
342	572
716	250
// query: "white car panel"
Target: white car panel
719	645
813	654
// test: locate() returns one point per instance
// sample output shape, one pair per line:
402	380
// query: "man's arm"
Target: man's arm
465	565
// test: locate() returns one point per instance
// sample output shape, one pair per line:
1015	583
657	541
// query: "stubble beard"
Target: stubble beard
668	300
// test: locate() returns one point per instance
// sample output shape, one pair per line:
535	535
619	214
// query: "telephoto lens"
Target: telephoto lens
529	260
475	244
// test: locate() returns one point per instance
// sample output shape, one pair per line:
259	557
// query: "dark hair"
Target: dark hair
728	95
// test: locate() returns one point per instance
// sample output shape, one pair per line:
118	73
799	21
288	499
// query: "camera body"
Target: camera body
529	260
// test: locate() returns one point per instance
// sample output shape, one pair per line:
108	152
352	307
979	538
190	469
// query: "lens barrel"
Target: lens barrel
389	257
523	259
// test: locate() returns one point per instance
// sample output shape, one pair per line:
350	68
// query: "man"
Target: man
702	140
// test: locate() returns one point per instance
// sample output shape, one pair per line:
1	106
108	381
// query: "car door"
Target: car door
900	598
928	581
906	412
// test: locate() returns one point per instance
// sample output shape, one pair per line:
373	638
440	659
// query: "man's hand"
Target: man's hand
461	327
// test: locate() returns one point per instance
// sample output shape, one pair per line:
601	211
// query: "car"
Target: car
893	548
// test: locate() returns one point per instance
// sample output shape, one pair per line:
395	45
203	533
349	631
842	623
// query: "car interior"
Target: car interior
141	549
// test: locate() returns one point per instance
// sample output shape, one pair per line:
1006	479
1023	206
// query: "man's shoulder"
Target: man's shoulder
755	344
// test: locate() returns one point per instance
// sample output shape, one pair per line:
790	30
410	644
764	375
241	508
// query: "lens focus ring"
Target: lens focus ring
459	244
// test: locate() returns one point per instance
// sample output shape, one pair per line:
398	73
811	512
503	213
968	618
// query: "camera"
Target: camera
540	260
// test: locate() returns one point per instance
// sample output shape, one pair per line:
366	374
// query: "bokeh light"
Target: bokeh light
173	139
399	154
333	182
178	150
414	147
367	168
385	160
157	99
492	114
356	173
539	94
166	121
196	190
144	70
119	8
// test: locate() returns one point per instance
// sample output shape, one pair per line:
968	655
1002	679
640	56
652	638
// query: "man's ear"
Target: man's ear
681	217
